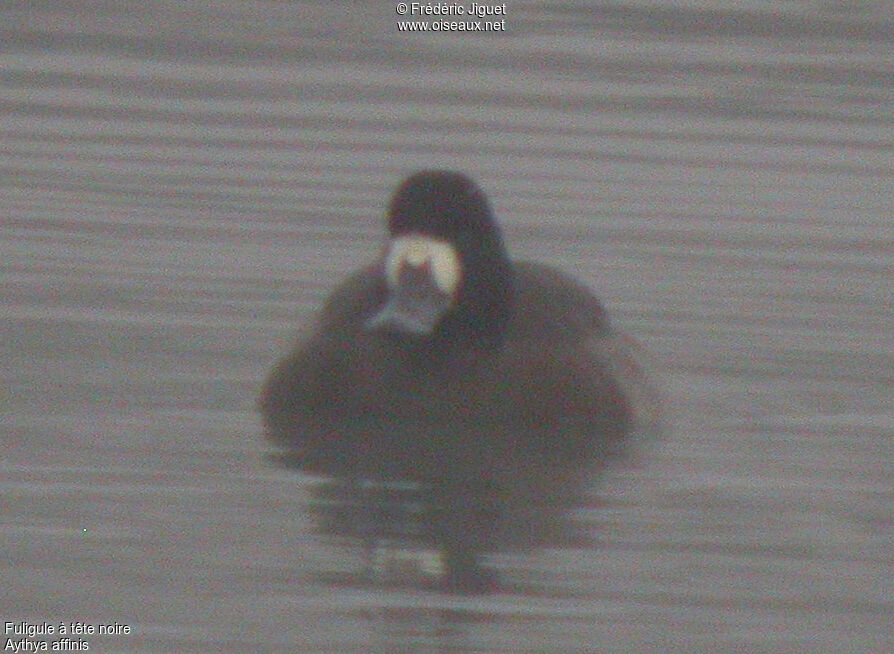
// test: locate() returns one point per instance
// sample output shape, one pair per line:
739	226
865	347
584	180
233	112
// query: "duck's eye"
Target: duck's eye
417	251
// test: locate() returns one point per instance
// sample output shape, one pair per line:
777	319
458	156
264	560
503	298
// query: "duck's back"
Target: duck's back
355	399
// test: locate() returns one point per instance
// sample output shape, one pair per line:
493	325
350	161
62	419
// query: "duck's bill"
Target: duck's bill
415	305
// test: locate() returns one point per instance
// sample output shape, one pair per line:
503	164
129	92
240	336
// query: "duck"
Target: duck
499	386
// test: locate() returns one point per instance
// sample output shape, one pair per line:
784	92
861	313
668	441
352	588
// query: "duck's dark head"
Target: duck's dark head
447	272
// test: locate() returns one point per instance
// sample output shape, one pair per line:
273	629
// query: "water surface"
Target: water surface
180	186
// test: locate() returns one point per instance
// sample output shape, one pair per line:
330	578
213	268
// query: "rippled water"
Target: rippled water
181	185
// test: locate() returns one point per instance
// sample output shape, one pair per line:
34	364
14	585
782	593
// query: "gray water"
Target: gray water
181	184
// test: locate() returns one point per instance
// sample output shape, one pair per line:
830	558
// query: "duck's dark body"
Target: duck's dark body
500	424
367	404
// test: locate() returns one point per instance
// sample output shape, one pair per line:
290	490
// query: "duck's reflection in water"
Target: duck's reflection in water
411	535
